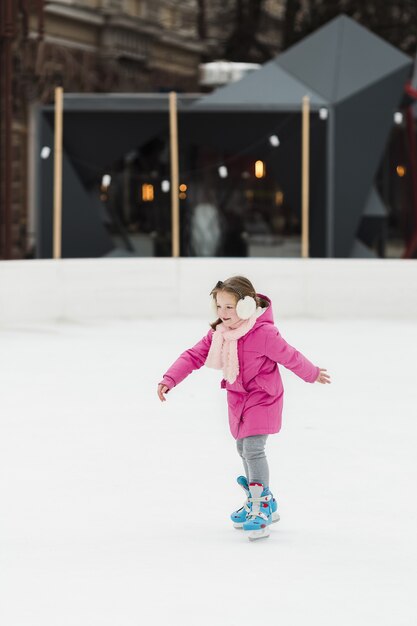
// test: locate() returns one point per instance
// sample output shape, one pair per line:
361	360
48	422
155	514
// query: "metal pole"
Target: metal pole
175	207
305	185
57	224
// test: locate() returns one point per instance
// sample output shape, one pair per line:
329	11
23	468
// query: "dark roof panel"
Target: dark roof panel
271	86
341	58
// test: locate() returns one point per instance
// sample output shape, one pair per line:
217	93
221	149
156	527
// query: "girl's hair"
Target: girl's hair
239	287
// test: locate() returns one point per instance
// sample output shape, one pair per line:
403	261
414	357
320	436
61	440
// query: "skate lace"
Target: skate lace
256	512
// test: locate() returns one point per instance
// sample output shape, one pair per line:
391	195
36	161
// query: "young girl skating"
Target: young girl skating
246	345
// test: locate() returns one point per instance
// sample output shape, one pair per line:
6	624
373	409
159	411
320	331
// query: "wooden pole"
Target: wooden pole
305	185
175	207
57	222
330	185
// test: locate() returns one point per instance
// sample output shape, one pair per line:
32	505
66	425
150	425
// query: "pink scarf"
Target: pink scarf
223	350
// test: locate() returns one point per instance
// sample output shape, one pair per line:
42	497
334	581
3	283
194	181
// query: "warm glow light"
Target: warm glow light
147	192
182	194
401	171
183	187
260	169
279	198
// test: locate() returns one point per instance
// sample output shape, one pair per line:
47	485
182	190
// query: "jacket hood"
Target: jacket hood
267	316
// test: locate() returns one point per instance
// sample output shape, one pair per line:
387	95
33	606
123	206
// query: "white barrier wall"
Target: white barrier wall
77	289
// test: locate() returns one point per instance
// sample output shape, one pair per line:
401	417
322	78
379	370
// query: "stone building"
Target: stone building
118	45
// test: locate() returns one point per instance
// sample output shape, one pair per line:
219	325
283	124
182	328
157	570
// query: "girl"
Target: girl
244	343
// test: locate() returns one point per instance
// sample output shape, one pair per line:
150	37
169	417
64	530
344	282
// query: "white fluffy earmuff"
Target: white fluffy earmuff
246	307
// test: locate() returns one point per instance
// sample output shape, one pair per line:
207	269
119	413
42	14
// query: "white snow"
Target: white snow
114	507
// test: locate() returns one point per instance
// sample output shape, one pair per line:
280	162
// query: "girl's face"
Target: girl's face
226	308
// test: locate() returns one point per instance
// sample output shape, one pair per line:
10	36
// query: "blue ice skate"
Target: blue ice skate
239	516
263	512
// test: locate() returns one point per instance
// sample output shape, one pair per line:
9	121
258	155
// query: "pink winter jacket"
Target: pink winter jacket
255	399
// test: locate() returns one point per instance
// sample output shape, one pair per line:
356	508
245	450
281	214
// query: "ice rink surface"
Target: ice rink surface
115	507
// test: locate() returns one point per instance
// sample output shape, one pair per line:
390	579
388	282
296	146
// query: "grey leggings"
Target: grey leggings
252	451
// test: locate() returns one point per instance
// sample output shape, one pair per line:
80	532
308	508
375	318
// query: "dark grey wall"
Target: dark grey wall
362	128
83	231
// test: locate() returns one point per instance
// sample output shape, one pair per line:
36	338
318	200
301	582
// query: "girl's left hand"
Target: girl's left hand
322	377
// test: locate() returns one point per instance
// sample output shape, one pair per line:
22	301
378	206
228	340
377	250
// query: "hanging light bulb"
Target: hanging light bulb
398	117
165	186
223	171
274	141
323	113
259	169
45	152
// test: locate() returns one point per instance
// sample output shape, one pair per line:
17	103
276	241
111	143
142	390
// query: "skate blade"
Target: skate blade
275	517
254	535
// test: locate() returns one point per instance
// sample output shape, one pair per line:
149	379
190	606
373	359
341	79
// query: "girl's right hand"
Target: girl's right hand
323	377
162	389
